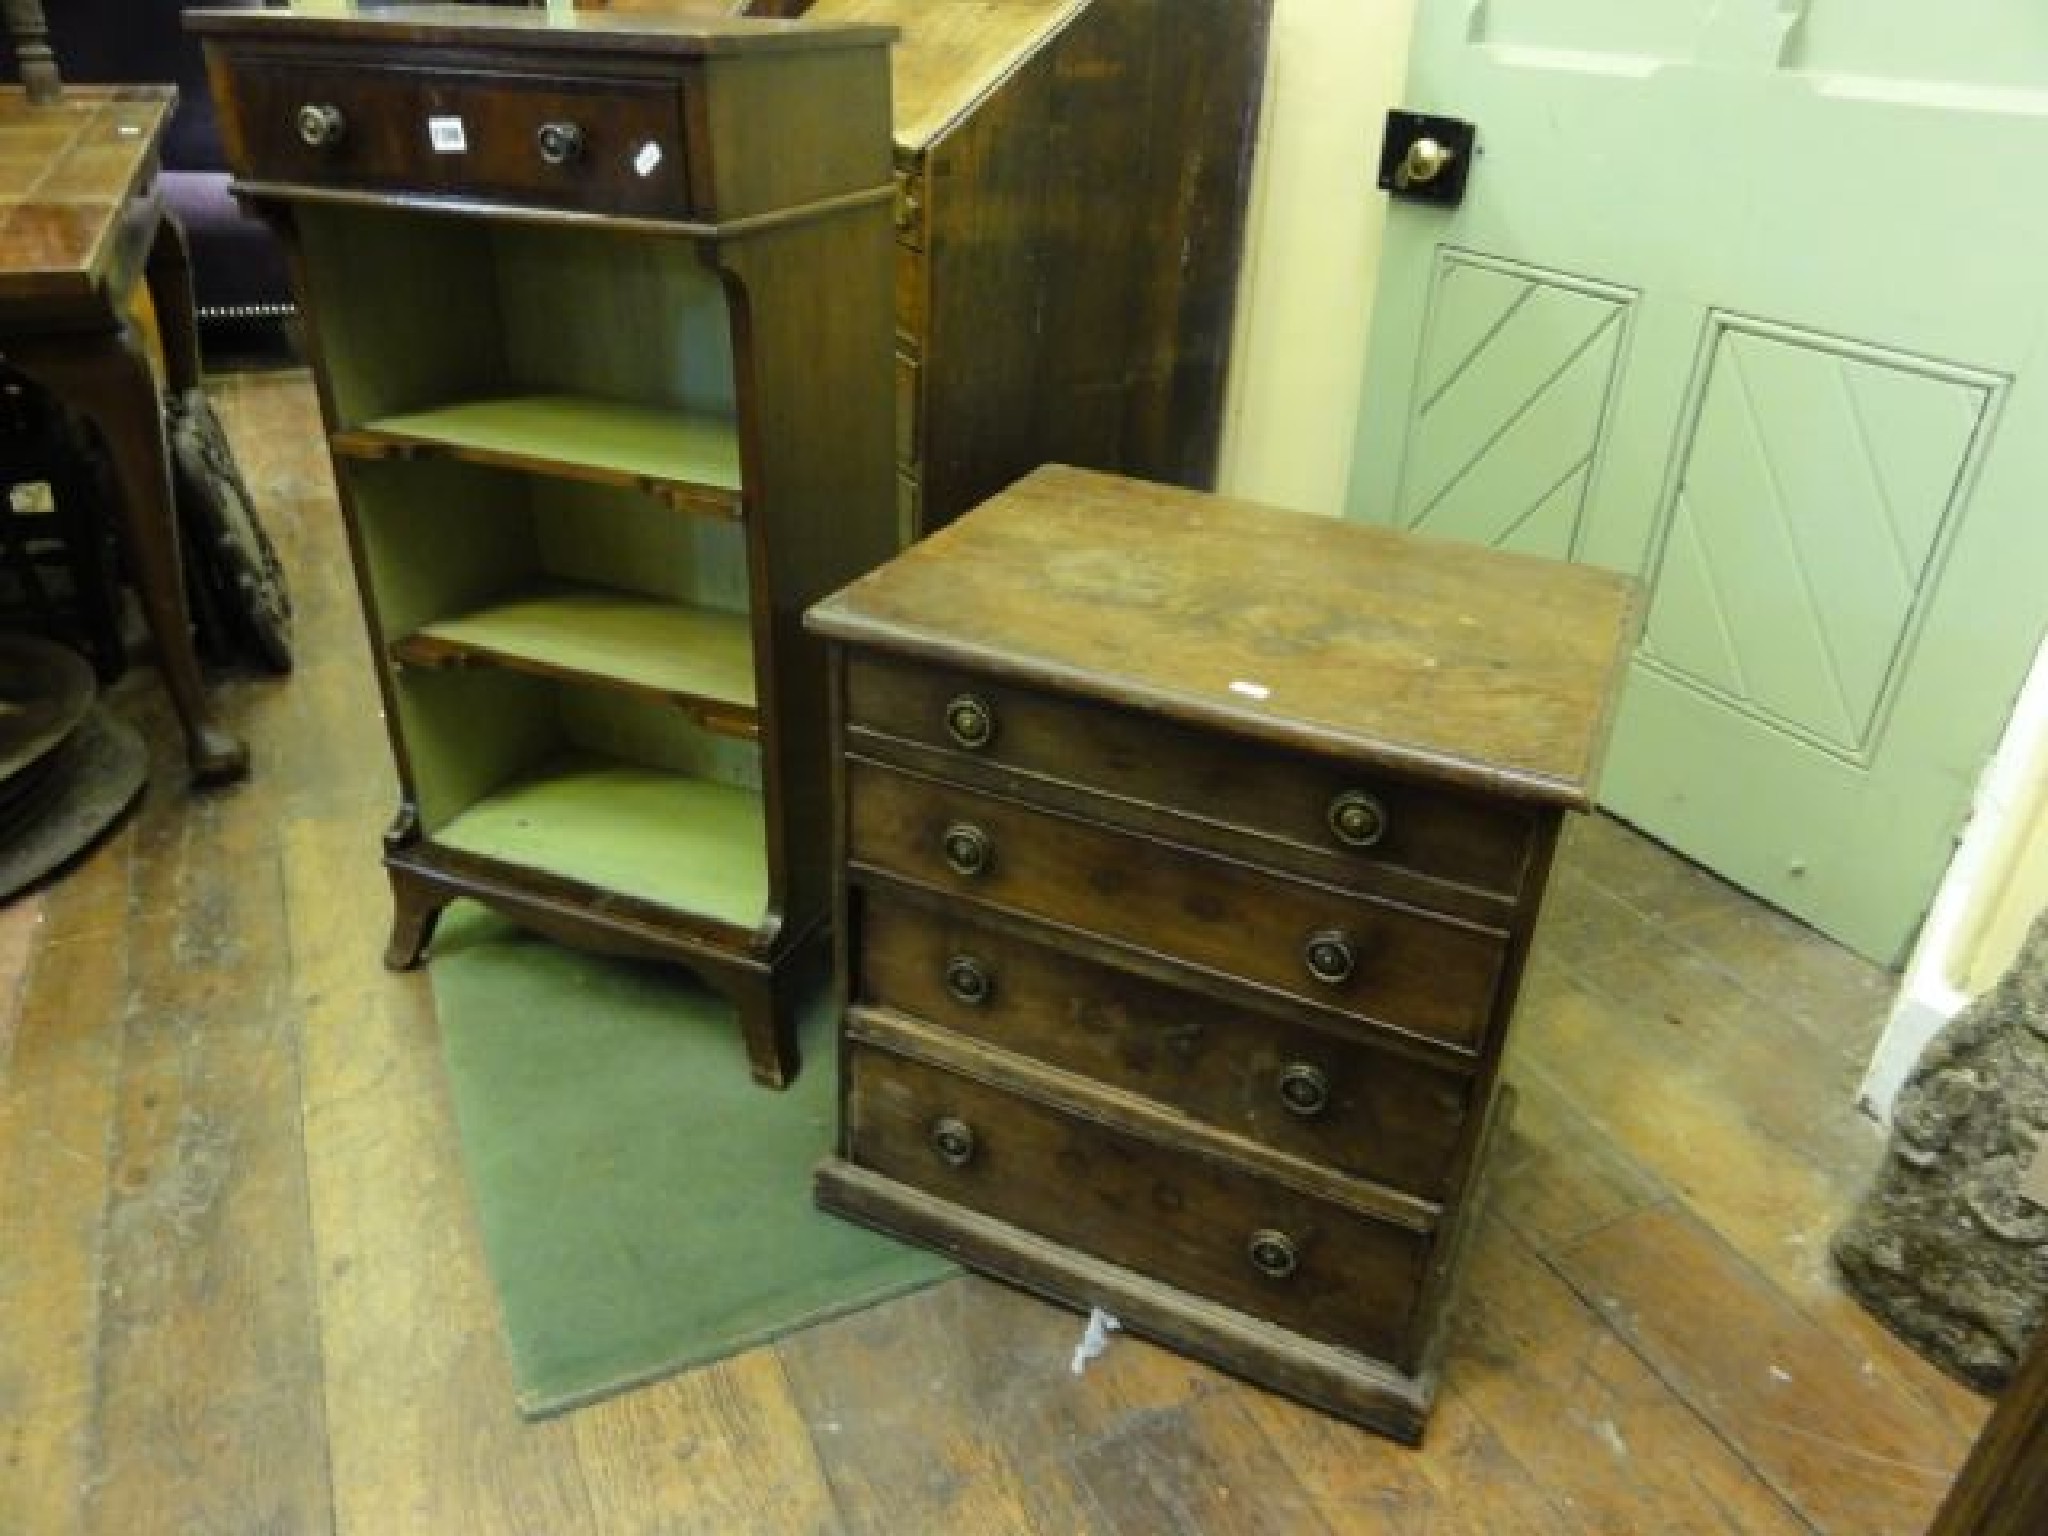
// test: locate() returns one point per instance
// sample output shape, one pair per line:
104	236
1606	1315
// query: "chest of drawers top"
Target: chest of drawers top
1472	668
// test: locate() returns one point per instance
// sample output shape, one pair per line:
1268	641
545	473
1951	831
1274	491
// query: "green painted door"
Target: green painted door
1748	296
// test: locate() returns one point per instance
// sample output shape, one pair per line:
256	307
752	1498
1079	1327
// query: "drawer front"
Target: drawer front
604	146
1345	820
1404	969
1318	1095
1206	1227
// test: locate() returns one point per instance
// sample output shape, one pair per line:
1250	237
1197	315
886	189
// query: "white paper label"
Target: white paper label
648	158
446	135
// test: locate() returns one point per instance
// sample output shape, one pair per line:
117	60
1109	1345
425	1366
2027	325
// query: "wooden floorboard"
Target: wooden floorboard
241	1286
57	1097
1839	1443
207	1412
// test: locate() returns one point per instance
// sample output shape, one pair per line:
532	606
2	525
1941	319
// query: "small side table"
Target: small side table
81	223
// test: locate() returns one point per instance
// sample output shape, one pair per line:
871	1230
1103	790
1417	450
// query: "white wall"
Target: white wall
1312	252
1994	887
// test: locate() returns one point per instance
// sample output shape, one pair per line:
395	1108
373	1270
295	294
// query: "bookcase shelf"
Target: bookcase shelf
689	845
605	422
689	459
699	658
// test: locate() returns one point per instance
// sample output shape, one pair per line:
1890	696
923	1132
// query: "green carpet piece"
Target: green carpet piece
645	1206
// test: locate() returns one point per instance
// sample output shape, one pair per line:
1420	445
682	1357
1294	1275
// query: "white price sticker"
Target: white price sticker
447	136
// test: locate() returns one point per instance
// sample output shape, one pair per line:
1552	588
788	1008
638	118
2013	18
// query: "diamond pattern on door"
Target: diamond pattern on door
1516	370
1804	528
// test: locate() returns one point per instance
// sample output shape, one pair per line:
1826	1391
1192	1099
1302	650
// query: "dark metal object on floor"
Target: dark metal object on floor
45	691
68	769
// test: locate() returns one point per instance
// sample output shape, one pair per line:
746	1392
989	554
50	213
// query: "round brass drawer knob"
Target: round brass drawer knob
559	142
970	722
320	125
1357	818
968	981
953	1140
1272	1254
1304	1089
968	850
1331	957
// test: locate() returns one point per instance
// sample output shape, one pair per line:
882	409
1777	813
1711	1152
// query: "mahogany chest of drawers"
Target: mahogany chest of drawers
1191	855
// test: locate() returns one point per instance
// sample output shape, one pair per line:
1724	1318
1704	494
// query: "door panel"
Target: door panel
1993	43
1797	545
1646	29
1518	365
1745	297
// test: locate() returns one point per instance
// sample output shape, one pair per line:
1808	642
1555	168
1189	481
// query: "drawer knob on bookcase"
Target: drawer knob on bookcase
560	142
969	981
970	722
1304	1089
968	850
321	126
1272	1254
953	1140
1331	957
1358	818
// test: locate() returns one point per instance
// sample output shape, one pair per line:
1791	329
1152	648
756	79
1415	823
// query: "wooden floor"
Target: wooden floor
241	1288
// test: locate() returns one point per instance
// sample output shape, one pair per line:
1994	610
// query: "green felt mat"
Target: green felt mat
645	1206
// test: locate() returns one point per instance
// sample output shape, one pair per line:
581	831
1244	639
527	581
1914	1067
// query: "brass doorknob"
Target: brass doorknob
1425	161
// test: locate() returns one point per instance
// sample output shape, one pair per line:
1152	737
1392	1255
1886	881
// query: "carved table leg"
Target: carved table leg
106	377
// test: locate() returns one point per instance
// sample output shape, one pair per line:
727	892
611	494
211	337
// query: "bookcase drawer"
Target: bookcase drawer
589	145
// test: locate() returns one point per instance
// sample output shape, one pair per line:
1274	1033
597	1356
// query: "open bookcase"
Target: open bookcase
603	427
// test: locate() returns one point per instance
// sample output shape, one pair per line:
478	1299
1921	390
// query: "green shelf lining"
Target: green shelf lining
682	843
639	643
574	435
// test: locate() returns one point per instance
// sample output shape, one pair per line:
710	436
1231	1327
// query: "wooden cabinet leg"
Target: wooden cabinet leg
771	1004
415	910
766	1003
